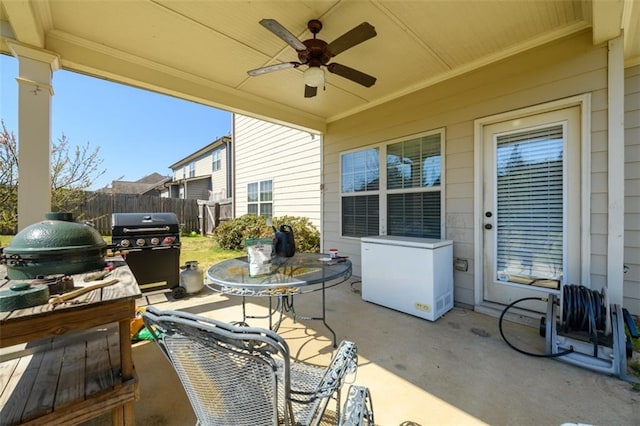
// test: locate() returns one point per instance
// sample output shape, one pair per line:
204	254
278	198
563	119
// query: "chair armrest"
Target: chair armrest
343	363
358	408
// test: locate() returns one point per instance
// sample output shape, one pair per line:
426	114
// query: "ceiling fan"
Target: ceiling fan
316	53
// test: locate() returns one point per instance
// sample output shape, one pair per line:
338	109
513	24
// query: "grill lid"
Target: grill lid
58	245
144	230
133	224
59	233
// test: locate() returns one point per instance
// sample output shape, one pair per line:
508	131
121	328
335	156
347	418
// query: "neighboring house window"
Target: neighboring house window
217	160
260	198
192	169
405	200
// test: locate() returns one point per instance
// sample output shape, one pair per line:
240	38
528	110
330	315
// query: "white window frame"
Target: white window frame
382	191
192	169
216	160
259	202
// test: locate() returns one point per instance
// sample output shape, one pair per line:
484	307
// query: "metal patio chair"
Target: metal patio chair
238	375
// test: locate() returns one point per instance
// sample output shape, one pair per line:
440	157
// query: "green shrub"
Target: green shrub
232	233
306	235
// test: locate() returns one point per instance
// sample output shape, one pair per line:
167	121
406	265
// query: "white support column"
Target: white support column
35	71
615	234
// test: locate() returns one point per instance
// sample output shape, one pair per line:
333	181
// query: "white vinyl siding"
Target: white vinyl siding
632	190
290	158
219	180
210	185
557	70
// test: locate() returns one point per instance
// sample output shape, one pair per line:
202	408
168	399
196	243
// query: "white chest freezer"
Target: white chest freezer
411	275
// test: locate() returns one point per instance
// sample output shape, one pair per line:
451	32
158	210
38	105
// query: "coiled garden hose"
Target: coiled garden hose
584	310
539	355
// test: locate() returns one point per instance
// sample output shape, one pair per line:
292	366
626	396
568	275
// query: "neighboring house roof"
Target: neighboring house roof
153	178
213	145
142	186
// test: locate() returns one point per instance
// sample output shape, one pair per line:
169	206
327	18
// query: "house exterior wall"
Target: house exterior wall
288	157
219	177
203	165
198	189
561	69
214	186
632	189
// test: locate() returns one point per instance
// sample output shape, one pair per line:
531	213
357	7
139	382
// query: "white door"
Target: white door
531	201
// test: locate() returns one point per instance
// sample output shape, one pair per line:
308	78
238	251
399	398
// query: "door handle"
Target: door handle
488	226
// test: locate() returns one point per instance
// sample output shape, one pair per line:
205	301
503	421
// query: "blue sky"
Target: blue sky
138	132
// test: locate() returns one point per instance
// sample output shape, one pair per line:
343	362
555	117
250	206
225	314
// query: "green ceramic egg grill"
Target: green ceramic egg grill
57	245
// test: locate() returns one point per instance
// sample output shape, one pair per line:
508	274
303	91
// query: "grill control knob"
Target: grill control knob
155	241
140	242
125	243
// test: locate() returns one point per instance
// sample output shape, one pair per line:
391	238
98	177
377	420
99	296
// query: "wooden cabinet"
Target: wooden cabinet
73	361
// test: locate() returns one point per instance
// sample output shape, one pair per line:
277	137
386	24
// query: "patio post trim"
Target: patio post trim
615	211
35	71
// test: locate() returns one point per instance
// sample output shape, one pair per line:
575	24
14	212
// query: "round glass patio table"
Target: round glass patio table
289	276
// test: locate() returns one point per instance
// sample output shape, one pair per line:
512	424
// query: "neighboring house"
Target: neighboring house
278	170
203	175
148	185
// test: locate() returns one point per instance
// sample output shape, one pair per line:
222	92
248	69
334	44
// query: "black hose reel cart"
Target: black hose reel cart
580	328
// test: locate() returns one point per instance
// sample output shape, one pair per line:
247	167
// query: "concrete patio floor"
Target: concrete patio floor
454	371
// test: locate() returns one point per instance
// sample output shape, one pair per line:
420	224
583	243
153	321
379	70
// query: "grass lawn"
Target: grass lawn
202	249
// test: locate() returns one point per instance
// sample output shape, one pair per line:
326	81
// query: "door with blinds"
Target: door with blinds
531	200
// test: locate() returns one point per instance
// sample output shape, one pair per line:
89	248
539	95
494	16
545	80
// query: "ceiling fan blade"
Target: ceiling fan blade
310	91
357	35
275	27
272	68
353	75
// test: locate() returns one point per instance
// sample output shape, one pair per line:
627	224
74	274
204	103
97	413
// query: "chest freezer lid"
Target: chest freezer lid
390	240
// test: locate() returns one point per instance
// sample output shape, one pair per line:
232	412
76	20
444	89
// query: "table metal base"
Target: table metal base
285	303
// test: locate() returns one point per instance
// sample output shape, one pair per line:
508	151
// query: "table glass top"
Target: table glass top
303	269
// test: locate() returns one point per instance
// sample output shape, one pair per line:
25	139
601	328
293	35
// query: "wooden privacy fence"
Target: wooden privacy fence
97	208
213	212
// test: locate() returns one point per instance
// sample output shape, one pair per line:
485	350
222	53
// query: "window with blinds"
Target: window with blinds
530	204
360	215
413	184
359	183
409	199
260	198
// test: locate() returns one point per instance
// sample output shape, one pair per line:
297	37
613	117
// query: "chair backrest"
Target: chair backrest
230	373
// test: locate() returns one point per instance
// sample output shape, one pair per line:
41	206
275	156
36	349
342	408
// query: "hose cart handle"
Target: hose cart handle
631	325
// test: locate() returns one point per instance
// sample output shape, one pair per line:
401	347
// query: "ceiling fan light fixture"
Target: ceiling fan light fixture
314	77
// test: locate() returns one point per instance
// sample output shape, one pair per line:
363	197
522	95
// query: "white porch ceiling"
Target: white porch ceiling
201	50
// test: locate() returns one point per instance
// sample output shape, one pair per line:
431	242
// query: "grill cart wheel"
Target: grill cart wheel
179	292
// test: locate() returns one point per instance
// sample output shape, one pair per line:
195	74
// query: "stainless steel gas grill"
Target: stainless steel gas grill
150	244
